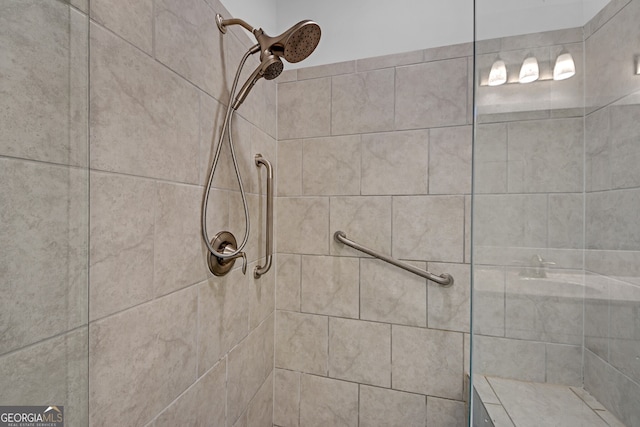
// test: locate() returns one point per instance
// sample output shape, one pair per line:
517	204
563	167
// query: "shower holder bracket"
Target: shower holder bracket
223	242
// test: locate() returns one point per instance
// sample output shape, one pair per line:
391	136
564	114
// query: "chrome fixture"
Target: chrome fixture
294	45
260	270
444	279
536	268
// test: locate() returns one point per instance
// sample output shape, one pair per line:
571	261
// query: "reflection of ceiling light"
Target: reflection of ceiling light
638	66
564	68
498	74
530	70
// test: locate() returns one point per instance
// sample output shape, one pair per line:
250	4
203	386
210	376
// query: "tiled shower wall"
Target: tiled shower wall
612	330
168	343
381	149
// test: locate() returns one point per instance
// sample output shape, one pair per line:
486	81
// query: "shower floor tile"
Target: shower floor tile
512	403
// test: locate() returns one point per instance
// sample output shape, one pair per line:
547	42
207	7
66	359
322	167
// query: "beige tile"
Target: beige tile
301	342
52	370
131	130
587	398
509	358
211	119
188	41
450	308
499	416
357	217
331	166
360	351
262	295
564	364
304	109
122	224
391	408
388	61
223	317
249	364
44	230
36	88
133	21
446	413
395	163
420	221
180	258
448	52
488	300
83	5
260	411
289	176
450	160
302	225
362	102
329	286
490	166
255	246
440	100
136	344
327	402
79	90
418	365
484	390
335	69
389	294
286	410
288	273
202	404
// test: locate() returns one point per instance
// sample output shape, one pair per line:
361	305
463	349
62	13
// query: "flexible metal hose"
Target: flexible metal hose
226	129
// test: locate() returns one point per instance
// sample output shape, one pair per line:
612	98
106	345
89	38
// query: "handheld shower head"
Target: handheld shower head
269	68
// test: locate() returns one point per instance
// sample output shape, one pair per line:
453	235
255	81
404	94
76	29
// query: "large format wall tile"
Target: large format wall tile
44	231
130	349
445	413
134	129
260	410
391	408
395	163
611	220
133	21
329	285
362	102
360	351
288	273
509	358
249	365
450	308
490	157
450	160
429	228
287	398
331	166
301	342
302	225
188	41
427	361
122	224
625	154
304	109
431	94
328	402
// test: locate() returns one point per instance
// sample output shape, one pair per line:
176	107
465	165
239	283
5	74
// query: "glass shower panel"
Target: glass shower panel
554	246
44	206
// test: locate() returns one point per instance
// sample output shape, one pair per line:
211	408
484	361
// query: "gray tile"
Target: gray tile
597	314
445	413
302	225
490	153
624	328
564	364
131	131
418	365
448	52
450	160
335	69
360	351
196	406
288	271
499	416
388	61
391	408
249	364
415	233
509	358
133	21
52	370
362	102
44	230
286	410
179	254
588	399
328	402
598	171
304	109
260	411
211	118
331	166
289	176
601	18
389	294
488	300
122	224
450	308
625	154
566	221
301	342
440	100
482	387
188	41
611	219
262	295
156	337
223	317
357	217
330	286
395	163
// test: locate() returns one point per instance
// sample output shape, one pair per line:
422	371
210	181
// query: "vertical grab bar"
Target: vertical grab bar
260	270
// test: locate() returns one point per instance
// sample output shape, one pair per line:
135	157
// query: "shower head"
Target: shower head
295	44
270	68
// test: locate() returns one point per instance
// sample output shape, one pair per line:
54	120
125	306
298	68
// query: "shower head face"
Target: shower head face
295	44
272	67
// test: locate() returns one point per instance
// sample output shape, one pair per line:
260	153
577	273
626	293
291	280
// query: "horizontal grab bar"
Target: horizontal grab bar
443	279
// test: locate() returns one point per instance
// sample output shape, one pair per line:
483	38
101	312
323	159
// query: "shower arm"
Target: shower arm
224	23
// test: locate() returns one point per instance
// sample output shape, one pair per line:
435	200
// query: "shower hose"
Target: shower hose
226	129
